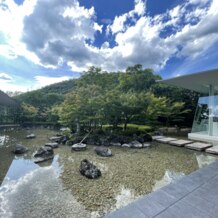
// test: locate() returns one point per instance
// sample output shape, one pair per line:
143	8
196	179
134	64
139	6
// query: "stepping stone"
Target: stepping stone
166	140
212	150
199	146
180	142
158	137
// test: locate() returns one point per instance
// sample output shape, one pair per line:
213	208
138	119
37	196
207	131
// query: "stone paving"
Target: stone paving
195	195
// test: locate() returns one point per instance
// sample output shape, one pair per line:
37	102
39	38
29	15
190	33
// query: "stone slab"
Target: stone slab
158	137
166	140
180	142
199	146
212	150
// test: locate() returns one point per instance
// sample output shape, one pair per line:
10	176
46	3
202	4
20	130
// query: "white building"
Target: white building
205	124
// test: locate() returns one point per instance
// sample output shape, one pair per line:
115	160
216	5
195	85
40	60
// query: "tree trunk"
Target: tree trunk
78	127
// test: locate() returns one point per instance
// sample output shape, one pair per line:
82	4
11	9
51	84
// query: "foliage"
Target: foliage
99	98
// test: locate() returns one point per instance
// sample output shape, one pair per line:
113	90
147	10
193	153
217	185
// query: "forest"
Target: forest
114	99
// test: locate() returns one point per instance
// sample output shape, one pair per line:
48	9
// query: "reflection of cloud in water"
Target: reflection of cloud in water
204	160
169	177
39	193
124	197
3	139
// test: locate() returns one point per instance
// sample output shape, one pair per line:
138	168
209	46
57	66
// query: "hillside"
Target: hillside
102	97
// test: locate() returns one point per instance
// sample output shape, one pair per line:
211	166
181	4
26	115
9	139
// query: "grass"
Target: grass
143	128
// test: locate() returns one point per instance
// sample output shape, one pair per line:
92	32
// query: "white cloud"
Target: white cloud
66	34
45	80
5	77
119	25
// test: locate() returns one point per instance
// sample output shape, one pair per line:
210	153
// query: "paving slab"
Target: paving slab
212	150
155	137
127	212
199	146
166	140
180	143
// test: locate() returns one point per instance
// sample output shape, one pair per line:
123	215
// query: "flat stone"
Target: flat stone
79	147
117	144
212	150
158	137
126	145
180	142
146	145
199	146
166	140
52	144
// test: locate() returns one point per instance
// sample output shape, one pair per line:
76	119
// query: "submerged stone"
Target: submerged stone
89	170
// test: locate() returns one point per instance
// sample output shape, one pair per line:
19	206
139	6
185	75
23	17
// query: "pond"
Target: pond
57	189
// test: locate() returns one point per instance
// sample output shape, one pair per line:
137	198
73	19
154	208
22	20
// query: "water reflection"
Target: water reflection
204	160
3	140
124	197
56	188
39	191
169	177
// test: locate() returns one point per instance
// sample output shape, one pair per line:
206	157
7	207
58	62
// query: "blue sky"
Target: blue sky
43	42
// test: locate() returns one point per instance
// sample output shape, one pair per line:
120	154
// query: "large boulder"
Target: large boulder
20	149
52	144
103	151
78	147
31	136
89	170
42	154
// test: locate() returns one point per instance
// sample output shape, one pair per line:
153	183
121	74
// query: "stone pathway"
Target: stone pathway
199	146
195	195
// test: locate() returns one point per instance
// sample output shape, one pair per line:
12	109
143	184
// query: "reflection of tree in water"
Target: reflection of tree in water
203	112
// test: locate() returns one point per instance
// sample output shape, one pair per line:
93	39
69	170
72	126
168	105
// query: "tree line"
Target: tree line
101	98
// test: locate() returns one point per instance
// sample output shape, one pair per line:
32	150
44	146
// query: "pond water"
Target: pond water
56	188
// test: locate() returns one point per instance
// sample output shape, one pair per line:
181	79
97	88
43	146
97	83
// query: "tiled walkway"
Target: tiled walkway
195	195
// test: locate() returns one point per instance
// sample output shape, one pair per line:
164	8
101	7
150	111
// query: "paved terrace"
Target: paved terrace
195	195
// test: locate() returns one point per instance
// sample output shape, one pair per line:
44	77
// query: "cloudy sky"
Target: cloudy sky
46	41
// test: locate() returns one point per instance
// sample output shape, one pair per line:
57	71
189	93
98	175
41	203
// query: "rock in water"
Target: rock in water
136	144
89	170
103	151
31	136
126	145
146	145
79	147
44	153
52	144
20	149
57	139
